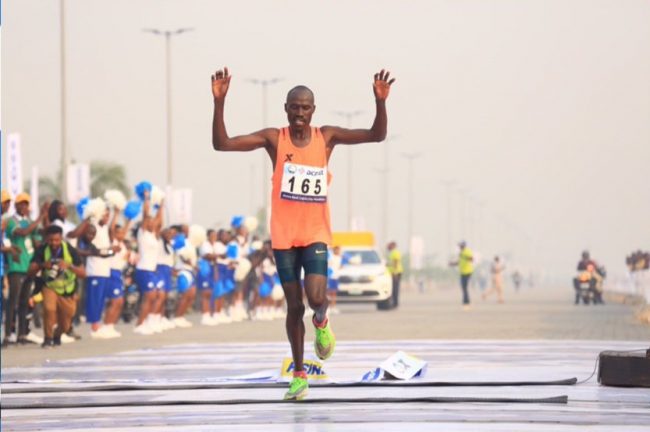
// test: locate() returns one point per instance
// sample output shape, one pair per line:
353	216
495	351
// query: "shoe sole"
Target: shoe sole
297	397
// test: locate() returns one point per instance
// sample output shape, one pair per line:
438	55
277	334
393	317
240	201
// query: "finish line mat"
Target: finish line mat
468	385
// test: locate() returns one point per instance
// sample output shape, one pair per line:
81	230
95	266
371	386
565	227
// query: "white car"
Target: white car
363	277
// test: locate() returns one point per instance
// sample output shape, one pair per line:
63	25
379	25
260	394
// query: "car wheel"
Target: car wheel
385	305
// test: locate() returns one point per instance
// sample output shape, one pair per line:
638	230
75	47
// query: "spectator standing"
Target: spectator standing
496	269
465	265
395	268
21	231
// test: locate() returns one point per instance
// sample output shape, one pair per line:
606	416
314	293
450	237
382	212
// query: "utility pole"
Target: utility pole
410	157
448	185
265	83
349	115
168	36
64	139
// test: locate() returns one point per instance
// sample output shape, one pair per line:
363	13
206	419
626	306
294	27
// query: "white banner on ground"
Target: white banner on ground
400	366
181	206
416	252
78	186
33	191
14	166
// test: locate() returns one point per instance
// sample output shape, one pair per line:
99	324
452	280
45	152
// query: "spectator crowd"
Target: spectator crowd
123	261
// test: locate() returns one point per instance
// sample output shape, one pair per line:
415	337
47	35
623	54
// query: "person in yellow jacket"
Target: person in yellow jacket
60	265
465	265
395	268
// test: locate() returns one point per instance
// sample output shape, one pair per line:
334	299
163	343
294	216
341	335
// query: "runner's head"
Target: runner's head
299	107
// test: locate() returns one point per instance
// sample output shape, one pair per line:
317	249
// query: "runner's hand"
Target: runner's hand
381	86
220	83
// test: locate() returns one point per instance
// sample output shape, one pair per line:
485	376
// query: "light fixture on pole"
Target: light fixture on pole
349	115
265	83
168	35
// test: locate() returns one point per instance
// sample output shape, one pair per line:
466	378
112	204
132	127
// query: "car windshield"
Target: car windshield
360	257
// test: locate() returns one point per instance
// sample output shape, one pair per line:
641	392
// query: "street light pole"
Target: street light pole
448	184
168	35
410	157
265	83
64	143
349	115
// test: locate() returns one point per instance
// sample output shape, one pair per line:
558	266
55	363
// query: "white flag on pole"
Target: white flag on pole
14	165
78	185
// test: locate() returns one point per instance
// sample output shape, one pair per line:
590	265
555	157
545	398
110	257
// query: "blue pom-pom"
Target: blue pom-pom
237	221
232	252
132	209
184	281
178	242
141	188
81	205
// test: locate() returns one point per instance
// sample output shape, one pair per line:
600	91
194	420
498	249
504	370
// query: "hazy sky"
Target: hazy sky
538	109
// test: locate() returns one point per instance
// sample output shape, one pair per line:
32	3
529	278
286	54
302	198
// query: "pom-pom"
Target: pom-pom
81	205
277	294
243	267
141	188
115	198
237	221
251	223
197	235
95	208
178	242
157	195
132	209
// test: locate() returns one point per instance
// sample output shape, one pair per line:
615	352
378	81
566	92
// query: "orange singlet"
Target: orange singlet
300	213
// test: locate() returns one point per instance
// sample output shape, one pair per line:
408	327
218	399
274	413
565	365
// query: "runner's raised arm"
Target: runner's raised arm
220	139
377	132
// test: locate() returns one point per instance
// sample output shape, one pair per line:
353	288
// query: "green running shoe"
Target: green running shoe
325	341
298	389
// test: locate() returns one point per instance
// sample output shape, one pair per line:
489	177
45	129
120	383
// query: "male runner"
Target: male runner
300	218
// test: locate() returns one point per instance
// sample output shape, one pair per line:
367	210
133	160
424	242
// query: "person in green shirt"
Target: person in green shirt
21	231
395	269
465	265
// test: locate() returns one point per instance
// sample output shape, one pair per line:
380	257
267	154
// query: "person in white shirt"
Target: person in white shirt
219	288
186	260
115	290
58	215
206	276
145	269
334	266
98	271
164	273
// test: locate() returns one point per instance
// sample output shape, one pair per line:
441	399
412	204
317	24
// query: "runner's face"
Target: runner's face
299	108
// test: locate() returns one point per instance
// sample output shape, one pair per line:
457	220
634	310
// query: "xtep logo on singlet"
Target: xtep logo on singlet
288	157
304	183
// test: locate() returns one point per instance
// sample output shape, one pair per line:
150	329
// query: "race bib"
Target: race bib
304	183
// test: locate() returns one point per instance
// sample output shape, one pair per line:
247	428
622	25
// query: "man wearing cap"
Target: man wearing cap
8	248
21	231
465	265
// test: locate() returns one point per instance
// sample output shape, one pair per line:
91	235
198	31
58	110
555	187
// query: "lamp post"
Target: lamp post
448	184
410	157
349	115
64	144
264	83
168	36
